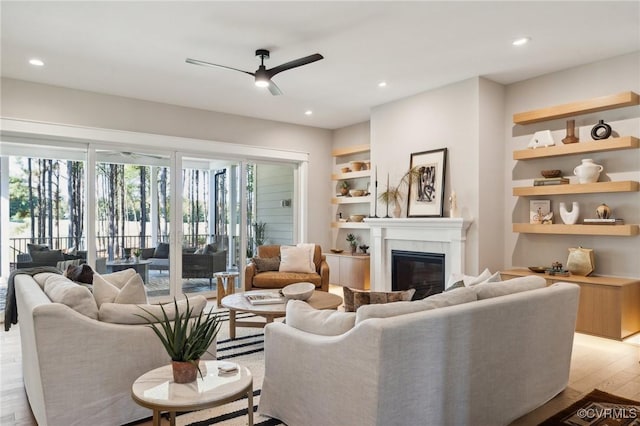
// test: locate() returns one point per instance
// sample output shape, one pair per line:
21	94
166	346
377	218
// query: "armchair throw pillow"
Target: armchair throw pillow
264	264
295	259
354	298
322	322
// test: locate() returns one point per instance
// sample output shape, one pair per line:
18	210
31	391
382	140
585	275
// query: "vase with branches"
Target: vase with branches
394	194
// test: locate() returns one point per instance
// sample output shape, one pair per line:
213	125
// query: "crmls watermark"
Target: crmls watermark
608	413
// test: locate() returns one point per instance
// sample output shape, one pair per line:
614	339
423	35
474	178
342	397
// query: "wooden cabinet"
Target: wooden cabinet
611	144
609	306
349	270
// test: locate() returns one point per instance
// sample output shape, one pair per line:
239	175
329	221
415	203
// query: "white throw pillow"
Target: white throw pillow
469	280
323	322
311	248
128	314
106	289
295	259
62	290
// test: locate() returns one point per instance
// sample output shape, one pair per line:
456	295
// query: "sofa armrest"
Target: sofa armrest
249	273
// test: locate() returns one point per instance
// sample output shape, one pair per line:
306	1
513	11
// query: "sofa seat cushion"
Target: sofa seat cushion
323	322
118	313
440	300
515	285
275	279
60	289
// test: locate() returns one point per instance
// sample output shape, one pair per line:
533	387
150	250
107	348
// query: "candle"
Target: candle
375	177
387	181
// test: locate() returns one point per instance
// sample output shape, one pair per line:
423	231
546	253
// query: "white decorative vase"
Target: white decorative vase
588	171
397	211
570	218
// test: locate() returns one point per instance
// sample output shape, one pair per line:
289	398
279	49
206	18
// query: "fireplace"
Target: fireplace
419	270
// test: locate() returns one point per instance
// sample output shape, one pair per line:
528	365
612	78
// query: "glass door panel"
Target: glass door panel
132	216
209	226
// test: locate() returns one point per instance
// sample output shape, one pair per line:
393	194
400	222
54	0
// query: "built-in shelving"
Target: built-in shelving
350	225
351	175
611	230
355	149
351	200
602	103
612	144
578	188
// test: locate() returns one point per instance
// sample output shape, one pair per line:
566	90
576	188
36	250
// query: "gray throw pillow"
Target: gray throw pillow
31	248
47	257
211	248
162	251
264	264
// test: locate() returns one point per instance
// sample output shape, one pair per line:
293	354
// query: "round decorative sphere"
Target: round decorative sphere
298	291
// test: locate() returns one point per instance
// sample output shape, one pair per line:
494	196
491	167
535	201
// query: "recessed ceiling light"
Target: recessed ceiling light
36	62
308	112
382	84
521	41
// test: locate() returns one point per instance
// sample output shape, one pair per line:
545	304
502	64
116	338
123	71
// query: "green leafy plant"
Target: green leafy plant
184	339
352	240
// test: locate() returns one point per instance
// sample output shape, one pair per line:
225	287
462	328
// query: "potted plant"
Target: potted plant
344	187
184	338
393	194
136	254
353	242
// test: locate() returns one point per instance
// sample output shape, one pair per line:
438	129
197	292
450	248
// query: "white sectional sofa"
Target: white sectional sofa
78	369
478	362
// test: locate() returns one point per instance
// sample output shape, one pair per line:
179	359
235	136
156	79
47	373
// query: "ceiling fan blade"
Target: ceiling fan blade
294	64
208	64
275	90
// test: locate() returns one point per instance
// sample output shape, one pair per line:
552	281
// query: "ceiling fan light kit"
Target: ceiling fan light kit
263	75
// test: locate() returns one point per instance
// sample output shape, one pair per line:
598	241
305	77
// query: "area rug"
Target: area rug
598	408
246	349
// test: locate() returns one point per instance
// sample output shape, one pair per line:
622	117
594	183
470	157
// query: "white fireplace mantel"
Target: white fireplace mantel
433	235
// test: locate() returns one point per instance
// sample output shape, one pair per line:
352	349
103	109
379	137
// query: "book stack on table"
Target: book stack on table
550	181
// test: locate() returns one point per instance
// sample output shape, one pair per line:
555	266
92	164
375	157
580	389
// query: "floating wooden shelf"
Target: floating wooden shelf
353	225
612	230
351	175
351	200
613	144
355	149
576	108
577	188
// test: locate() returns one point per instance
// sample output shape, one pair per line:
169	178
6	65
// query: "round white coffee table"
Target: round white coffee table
238	303
157	390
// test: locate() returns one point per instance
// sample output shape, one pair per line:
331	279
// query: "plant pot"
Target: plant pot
353	249
184	371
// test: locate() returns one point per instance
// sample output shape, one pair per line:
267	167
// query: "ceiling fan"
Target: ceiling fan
263	75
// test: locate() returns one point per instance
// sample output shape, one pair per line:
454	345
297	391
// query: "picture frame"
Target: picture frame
426	191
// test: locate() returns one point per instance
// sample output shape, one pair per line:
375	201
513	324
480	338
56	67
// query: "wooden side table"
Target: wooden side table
157	390
228	278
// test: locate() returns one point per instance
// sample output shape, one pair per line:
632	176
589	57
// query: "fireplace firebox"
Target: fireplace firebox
419	270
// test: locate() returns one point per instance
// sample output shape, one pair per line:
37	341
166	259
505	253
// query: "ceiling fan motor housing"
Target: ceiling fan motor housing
262	53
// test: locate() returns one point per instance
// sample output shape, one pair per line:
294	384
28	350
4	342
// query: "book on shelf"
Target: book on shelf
266	298
550	181
538	210
610	221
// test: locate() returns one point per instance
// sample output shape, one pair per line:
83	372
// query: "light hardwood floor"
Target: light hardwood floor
596	363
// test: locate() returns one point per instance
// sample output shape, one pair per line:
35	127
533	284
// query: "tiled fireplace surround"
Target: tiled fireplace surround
432	235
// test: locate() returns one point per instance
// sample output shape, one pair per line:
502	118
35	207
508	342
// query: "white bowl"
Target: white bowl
298	291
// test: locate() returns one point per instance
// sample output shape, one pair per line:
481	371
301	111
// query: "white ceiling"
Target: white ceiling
138	49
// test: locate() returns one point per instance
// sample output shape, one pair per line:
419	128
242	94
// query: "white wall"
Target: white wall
39	102
448	117
614	255
274	183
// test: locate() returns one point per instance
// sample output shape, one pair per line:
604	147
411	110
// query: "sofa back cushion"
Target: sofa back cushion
440	300
323	322
162	251
515	285
47	257
60	289
118	313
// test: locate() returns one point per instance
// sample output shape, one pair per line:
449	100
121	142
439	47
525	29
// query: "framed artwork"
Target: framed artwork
426	189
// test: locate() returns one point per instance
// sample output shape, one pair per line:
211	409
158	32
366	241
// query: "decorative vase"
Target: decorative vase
571	132
581	261
185	371
603	211
588	171
353	249
344	191
397	210
570	218
601	130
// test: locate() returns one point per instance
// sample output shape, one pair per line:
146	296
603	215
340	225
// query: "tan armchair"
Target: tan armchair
254	280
